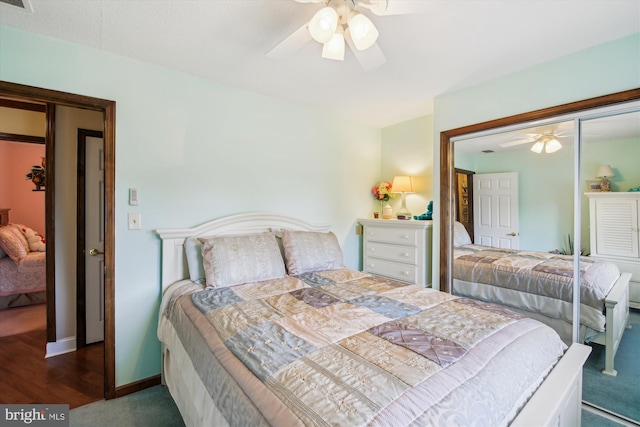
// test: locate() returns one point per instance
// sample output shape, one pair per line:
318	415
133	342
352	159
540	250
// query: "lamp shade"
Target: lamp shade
363	33
605	171
334	48
402	184
538	147
323	24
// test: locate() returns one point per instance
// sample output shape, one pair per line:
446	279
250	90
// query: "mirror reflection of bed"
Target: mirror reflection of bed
546	229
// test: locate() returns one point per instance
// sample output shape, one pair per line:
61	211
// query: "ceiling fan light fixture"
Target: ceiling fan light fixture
538	147
323	24
363	33
552	145
334	48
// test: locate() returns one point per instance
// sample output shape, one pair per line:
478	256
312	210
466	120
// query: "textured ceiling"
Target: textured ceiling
452	45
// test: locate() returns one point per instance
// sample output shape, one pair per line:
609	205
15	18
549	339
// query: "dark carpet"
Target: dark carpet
152	407
619	394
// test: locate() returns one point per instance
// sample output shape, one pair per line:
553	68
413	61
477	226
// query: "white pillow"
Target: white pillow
308	251
233	260
460	235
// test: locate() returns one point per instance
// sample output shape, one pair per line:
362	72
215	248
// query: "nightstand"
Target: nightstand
398	249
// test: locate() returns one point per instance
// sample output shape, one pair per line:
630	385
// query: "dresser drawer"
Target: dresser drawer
403	236
406	254
394	270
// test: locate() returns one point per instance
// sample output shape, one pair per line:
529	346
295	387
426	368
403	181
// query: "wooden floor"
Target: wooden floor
74	378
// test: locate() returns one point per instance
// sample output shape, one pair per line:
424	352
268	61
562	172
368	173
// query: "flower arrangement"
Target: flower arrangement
382	191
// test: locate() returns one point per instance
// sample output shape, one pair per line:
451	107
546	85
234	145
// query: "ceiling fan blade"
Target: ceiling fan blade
395	7
517	142
292	43
369	58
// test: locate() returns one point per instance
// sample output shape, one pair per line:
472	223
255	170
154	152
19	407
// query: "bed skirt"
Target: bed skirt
20	300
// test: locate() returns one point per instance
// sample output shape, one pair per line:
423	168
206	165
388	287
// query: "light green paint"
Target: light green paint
407	150
198	150
545	186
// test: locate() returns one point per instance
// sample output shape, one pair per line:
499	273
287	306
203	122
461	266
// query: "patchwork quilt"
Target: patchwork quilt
340	347
545	275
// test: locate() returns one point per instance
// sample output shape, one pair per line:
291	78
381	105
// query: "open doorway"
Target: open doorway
22	215
52	99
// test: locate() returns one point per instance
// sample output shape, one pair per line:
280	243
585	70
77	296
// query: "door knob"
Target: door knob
513	233
94	252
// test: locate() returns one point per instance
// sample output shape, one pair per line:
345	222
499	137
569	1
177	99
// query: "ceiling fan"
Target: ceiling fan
341	21
547	141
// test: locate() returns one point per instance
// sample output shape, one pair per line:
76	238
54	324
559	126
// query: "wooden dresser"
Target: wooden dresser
398	249
4	216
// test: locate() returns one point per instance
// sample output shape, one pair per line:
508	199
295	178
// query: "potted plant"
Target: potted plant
37	175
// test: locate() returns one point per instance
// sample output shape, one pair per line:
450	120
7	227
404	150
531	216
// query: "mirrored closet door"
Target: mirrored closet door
560	167
610	164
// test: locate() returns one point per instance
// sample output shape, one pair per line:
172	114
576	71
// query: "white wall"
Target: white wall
198	150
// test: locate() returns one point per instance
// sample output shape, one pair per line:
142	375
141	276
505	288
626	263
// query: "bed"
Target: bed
539	285
22	270
269	328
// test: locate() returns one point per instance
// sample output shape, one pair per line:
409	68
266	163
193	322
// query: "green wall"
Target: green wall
198	150
545	181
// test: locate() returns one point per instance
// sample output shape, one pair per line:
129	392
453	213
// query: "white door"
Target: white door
94	239
495	210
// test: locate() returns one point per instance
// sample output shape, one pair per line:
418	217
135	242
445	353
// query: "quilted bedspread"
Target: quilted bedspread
339	347
542	274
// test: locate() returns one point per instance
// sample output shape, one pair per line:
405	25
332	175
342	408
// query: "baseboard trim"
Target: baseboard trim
609	415
62	346
137	386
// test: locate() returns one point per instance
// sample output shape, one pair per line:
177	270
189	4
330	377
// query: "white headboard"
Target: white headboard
174	261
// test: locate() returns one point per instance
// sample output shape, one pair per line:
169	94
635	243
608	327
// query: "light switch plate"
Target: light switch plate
134	221
133	196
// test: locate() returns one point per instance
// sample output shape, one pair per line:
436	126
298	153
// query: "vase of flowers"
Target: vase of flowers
382	193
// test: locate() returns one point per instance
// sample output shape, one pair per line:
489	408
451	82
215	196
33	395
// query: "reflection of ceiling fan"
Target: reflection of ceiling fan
341	20
547	142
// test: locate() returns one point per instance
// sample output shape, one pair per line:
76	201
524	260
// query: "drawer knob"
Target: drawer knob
406	254
406	273
372	249
405	236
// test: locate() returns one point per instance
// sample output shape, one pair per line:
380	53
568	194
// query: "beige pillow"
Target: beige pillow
13	242
308	251
233	260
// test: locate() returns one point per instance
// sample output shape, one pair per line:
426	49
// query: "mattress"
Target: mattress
340	347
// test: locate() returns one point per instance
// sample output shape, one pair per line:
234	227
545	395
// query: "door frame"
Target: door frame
81	282
108	108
